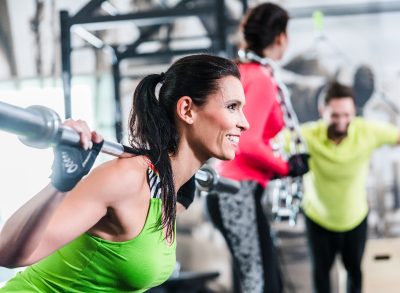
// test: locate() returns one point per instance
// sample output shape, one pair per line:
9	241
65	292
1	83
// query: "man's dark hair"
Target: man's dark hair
337	90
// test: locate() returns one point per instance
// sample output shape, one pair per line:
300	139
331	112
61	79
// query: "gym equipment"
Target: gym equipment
40	127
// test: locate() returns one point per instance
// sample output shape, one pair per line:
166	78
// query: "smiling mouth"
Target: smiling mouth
234	139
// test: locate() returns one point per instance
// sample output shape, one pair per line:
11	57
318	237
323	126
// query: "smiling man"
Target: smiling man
335	201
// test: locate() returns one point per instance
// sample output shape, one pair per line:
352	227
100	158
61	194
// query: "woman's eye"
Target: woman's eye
232	106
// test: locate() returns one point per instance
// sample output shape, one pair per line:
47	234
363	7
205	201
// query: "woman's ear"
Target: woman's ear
185	109
281	38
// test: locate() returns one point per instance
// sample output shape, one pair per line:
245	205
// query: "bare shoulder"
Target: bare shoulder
120	177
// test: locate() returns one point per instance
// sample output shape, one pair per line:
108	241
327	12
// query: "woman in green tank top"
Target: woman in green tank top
114	231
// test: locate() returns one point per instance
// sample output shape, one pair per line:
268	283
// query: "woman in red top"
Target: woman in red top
239	216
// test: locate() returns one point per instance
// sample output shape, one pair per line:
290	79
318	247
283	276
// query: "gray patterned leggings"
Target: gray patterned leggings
242	222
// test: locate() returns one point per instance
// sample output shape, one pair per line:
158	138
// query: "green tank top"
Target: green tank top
92	264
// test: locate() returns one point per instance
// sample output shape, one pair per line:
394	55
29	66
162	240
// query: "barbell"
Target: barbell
40	127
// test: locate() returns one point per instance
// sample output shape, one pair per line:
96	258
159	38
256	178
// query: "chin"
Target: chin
226	154
341	133
229	157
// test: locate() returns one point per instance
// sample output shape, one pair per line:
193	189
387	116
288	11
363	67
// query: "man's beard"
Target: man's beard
335	134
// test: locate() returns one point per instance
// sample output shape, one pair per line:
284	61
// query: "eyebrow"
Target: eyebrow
234	101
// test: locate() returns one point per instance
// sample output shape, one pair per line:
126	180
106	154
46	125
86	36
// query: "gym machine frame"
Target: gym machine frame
158	17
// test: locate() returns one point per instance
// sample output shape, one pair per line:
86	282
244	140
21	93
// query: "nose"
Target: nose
342	121
243	123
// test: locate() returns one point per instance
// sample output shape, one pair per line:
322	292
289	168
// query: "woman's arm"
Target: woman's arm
23	230
112	185
26	228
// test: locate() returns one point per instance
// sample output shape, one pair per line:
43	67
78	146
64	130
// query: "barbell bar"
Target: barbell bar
40	127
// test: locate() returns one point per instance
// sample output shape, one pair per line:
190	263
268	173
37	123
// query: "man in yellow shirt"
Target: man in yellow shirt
335	201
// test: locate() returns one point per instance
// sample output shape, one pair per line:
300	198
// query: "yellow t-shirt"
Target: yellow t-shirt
335	194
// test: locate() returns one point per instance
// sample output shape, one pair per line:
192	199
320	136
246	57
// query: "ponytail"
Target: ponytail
153	132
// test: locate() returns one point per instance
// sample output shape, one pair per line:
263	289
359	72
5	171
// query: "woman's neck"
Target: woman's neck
272	53
184	165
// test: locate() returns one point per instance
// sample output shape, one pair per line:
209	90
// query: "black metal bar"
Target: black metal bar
160	15
208	23
164	53
220	21
88	9
65	26
146	38
245	6
147	32
117	99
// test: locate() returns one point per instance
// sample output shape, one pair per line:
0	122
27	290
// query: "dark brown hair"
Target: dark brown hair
262	24
337	90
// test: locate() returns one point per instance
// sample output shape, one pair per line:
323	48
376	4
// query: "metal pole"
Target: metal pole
117	96
220	26
66	60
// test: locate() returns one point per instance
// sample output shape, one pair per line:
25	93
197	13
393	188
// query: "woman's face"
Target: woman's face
219	123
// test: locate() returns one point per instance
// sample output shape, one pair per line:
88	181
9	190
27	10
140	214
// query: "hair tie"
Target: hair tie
159	85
